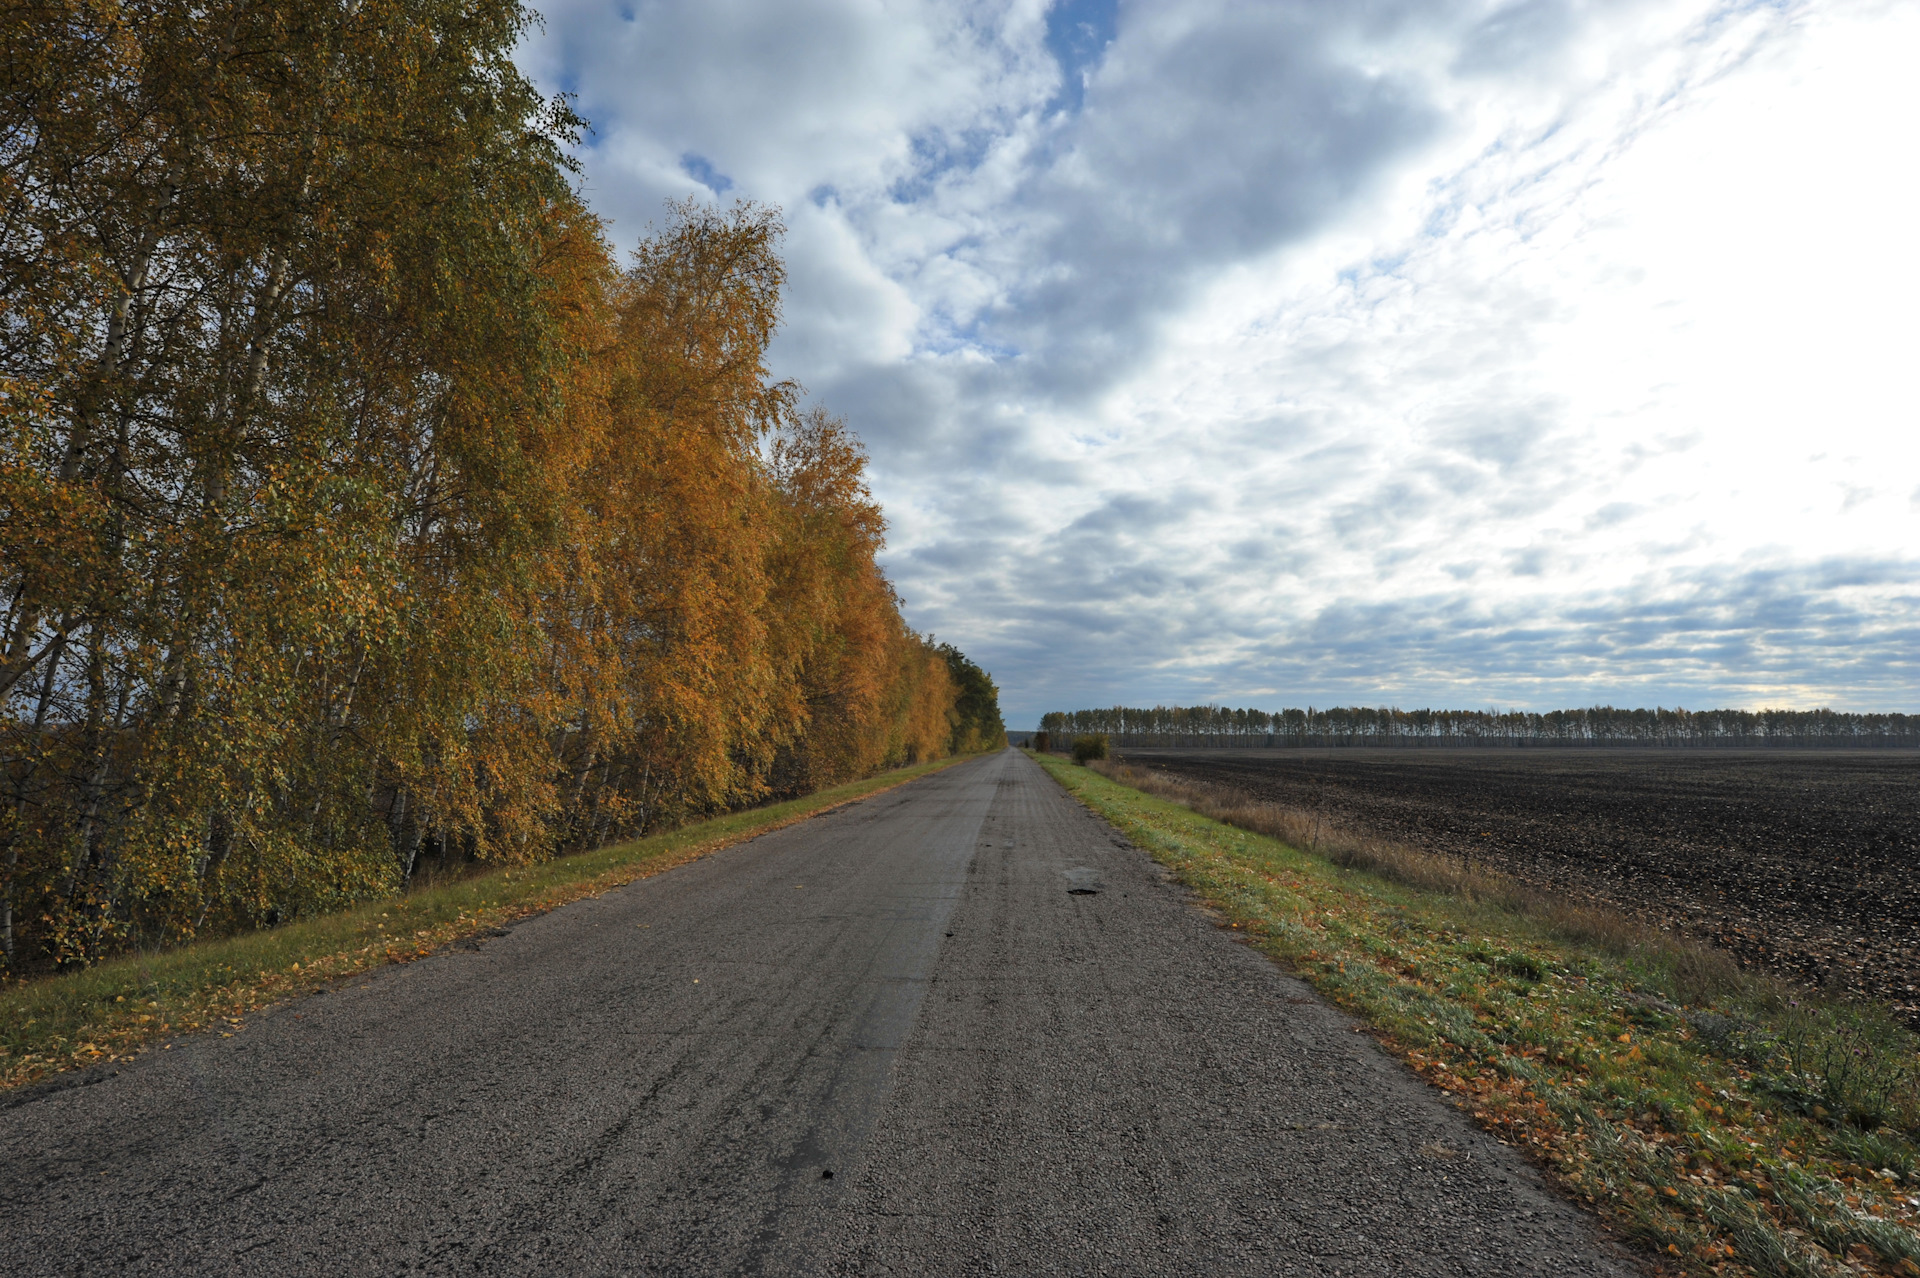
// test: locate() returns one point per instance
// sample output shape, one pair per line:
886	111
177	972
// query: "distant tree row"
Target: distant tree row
357	508
1597	725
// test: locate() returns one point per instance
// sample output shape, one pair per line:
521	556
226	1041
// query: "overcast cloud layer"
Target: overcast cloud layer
1474	354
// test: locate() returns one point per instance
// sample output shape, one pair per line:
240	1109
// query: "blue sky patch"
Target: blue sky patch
1078	33
701	170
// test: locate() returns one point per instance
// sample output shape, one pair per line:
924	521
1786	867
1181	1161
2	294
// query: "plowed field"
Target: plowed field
1803	862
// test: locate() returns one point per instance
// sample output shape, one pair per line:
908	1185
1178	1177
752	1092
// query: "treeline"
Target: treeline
1597	725
356	506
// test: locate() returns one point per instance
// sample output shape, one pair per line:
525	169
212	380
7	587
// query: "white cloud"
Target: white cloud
1515	354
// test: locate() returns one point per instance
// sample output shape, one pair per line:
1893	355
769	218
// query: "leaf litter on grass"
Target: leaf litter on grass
109	1013
1749	1131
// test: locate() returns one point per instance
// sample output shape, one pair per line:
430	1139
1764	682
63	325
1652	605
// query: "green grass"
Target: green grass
117	1009
1737	1127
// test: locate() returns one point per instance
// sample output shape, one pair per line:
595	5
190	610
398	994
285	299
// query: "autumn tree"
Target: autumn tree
277	342
356	507
673	693
870	691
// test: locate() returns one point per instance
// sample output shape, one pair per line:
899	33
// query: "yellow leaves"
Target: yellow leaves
771	652
473	547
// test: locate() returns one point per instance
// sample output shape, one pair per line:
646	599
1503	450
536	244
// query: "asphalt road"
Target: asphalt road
1014	1046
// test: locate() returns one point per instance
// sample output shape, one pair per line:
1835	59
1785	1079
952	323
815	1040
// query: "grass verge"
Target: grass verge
1731	1124
115	1010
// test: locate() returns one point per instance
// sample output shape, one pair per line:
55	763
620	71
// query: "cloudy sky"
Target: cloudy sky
1418	352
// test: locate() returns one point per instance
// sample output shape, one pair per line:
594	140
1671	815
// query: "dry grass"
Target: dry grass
1762	1132
1699	972
116	1010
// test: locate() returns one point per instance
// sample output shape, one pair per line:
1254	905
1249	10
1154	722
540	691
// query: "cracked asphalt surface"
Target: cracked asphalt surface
1014	1045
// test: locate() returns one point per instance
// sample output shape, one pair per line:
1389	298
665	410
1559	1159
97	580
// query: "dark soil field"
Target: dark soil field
1804	862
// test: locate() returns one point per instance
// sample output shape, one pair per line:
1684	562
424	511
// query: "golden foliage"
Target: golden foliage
355	506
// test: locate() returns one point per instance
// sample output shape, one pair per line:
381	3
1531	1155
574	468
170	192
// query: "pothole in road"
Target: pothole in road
1083	881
